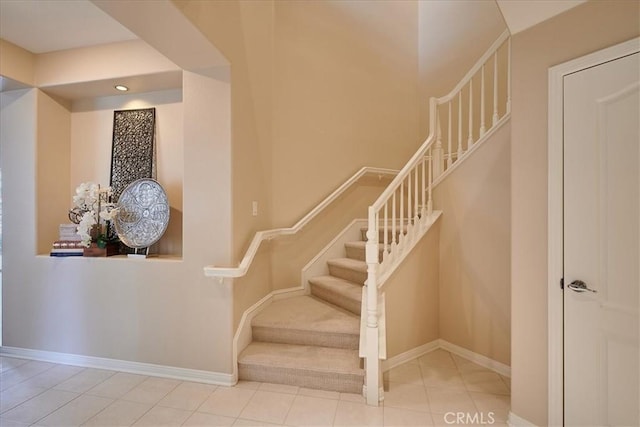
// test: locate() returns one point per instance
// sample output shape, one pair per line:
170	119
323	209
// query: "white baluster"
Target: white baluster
495	89
409	199
449	137
400	236
460	124
509	75
386	232
430	202
470	139
416	208
372	263
394	241
423	189
483	129
439	165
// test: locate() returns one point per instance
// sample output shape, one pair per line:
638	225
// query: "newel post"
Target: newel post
372	362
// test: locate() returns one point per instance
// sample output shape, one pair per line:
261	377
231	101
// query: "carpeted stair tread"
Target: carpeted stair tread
309	357
337	291
348	269
357	250
307	321
305	366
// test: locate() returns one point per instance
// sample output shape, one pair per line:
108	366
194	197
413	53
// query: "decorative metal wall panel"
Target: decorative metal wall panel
143	213
133	147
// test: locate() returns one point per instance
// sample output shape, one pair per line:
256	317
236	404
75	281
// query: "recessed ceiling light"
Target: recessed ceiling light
121	88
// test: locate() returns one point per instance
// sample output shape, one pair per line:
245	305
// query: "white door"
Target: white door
601	244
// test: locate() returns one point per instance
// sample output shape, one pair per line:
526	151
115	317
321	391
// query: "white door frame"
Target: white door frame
555	214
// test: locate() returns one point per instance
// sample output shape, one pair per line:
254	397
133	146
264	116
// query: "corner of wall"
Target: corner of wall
53	155
412	297
16	63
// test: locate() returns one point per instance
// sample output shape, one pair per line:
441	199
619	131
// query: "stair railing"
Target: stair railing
221	272
403	211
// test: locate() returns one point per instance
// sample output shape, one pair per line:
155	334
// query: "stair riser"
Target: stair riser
356	253
344	383
289	336
331	297
354	276
359	253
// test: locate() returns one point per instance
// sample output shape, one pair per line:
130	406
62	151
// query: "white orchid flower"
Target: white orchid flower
84	227
109	214
93	200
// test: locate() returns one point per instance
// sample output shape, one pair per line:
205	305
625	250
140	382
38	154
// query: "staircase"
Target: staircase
312	340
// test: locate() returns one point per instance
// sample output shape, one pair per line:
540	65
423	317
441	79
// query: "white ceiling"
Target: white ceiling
522	14
41	26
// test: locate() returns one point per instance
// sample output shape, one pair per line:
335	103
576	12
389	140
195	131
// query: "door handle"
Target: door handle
580	286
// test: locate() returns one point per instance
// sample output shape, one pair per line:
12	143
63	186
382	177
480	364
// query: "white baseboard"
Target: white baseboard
476	358
414	353
219	378
184	374
516	421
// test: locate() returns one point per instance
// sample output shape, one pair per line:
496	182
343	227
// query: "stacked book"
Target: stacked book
68	243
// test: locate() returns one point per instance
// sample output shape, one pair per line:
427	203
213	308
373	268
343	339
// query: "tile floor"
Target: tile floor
436	389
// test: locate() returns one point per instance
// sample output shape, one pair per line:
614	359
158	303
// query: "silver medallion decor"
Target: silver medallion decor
132	150
143	213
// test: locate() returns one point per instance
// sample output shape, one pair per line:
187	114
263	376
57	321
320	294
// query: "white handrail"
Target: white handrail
472	72
260	236
404	172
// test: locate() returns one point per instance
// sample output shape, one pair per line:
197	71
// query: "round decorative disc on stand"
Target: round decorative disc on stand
143	213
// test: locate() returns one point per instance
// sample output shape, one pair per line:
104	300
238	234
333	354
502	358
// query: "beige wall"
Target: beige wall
135	57
243	32
345	96
18	133
475	282
253	128
445	51
53	155
587	28
411	297
16	63
320	89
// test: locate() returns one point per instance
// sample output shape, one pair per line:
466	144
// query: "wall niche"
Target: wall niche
75	145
